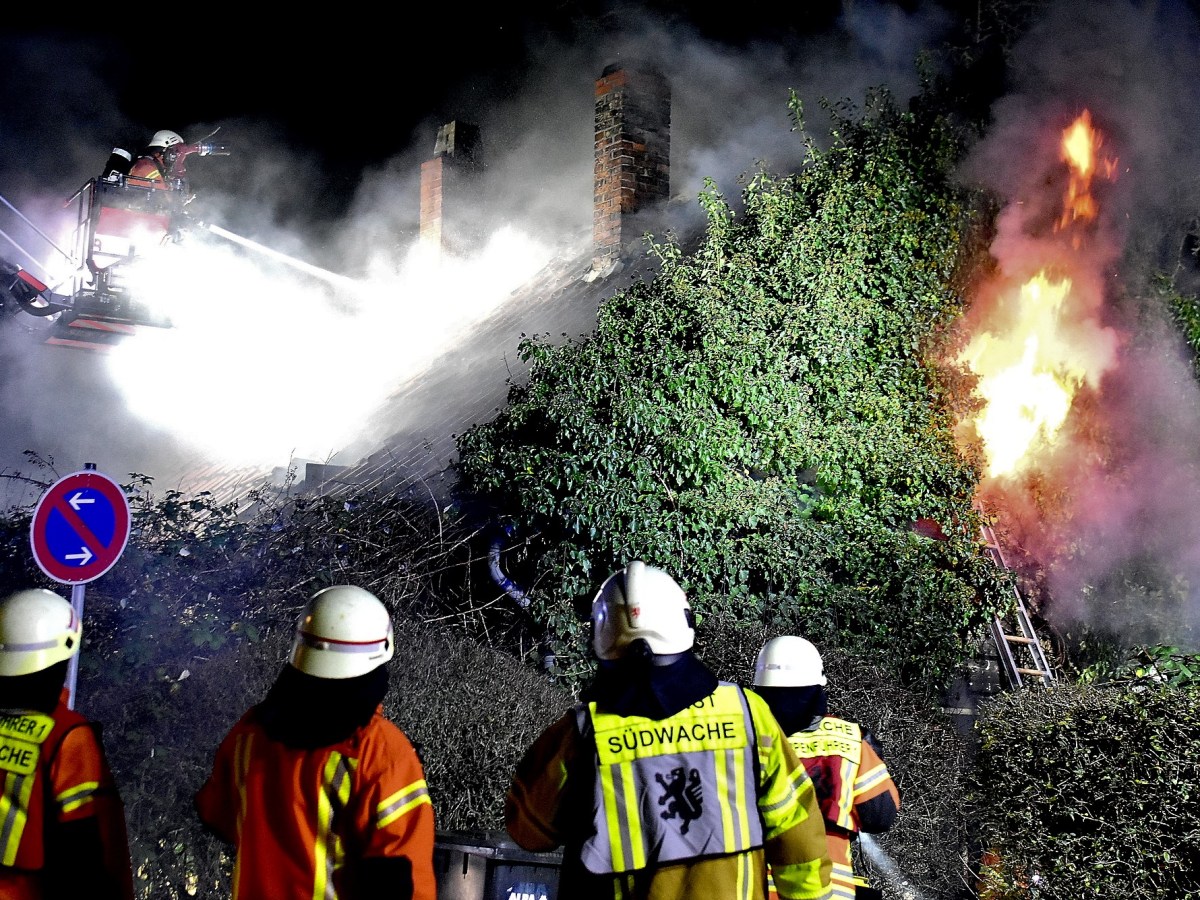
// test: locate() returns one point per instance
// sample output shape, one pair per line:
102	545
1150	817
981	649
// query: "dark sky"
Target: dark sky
354	88
317	109
345	90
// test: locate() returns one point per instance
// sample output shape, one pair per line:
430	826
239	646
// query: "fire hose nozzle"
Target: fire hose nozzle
210	148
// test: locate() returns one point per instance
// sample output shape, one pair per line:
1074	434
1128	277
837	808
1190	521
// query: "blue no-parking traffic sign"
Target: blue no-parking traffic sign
80	527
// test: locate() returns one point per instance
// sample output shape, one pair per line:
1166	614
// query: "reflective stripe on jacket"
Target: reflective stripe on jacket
846	770
832	752
698	766
53	771
550	804
26	739
302	819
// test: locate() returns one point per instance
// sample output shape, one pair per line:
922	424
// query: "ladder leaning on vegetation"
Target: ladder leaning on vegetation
1021	654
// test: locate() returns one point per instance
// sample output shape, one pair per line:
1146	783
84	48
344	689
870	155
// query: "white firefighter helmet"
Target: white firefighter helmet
343	632
789	661
38	628
165	139
641	602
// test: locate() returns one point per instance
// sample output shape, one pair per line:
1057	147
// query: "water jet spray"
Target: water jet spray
324	274
887	866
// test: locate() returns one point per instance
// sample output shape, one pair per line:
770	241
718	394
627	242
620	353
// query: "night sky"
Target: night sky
346	92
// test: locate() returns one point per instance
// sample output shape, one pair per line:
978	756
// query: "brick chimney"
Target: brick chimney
448	181
633	156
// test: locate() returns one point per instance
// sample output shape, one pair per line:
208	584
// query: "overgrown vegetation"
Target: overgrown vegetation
193	623
186	632
1091	791
765	418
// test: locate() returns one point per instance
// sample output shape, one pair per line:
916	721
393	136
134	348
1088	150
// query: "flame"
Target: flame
1042	341
1027	377
1080	145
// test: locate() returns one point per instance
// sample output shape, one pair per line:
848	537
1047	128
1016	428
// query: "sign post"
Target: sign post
79	530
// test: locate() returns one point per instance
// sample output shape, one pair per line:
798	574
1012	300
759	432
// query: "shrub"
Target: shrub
1091	791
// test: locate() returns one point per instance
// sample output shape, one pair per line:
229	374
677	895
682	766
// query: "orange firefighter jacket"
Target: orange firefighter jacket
149	168
302	819
554	801
847	771
53	772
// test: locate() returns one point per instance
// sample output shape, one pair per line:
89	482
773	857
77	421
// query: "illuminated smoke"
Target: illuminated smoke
270	362
1089	153
263	365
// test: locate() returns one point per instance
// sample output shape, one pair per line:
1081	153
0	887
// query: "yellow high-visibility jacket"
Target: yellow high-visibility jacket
54	776
691	806
848	772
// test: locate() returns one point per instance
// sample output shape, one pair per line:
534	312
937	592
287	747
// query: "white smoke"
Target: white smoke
267	364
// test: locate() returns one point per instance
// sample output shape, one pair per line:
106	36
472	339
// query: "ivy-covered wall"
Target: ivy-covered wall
765	418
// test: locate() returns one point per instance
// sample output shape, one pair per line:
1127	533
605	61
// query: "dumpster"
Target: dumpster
489	866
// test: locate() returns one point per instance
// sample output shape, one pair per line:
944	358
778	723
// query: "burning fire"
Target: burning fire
1027	377
1080	141
1042	342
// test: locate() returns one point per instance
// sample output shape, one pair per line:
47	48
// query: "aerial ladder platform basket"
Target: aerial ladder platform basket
121	223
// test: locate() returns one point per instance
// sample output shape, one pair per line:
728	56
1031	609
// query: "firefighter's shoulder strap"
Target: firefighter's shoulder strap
54	744
583	721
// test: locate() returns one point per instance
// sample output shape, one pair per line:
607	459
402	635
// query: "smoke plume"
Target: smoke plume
269	364
1109	513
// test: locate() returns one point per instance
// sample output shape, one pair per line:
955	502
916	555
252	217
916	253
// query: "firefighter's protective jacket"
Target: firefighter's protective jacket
849	773
303	819
690	806
62	817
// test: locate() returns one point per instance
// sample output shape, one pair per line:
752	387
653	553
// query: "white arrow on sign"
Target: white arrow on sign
77	501
84	557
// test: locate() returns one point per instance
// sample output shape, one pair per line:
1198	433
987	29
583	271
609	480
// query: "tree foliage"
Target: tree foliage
764	417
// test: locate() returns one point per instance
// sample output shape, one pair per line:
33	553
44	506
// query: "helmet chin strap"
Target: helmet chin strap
638	653
666	659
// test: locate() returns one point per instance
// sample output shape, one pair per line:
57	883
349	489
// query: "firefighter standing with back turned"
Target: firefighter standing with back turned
62	824
664	783
854	787
322	796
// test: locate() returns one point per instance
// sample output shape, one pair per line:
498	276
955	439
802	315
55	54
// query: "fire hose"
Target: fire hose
507	584
510	587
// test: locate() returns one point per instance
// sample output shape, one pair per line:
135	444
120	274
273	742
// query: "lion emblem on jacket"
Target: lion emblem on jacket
682	796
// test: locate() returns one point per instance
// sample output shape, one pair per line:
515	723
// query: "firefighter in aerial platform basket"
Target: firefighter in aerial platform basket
64	824
163	161
855	789
321	795
157	159
663	782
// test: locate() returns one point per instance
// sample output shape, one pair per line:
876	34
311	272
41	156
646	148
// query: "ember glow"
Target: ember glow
1041	341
